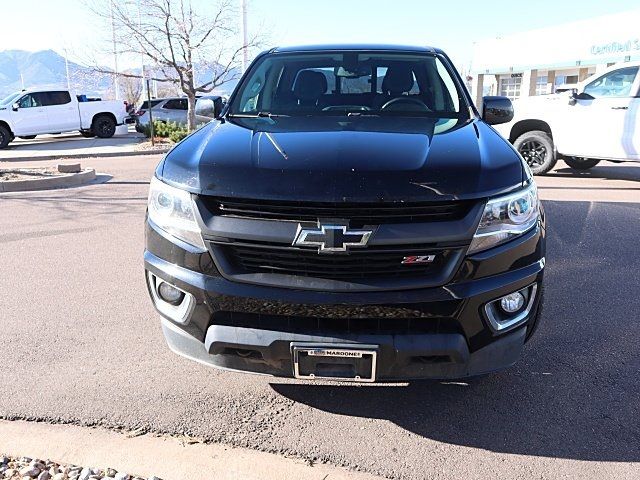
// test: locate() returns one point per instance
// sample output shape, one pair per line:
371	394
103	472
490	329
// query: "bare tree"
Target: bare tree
177	40
131	88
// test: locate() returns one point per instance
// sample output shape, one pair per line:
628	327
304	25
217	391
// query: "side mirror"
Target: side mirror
15	107
496	110
575	96
205	107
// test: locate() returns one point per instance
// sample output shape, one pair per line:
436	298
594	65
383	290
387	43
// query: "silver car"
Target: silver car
174	109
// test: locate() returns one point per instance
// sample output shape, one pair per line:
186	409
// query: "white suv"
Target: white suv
600	120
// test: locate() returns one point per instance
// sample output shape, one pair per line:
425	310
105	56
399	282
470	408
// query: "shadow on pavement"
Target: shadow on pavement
575	392
604	170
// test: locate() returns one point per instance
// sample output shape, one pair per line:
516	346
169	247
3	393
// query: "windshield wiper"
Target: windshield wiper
256	115
362	114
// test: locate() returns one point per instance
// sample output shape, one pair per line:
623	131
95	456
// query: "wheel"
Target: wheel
5	137
104	126
581	163
87	133
536	147
28	137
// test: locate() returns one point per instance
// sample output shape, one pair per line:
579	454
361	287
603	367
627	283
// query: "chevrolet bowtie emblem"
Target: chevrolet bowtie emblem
331	238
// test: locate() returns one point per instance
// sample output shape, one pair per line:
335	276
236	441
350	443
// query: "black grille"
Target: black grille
369	263
324	326
356	213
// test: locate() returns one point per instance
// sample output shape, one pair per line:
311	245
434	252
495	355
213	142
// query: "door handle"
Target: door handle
619	108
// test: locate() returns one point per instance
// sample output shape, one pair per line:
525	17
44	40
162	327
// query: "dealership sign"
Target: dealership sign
616	47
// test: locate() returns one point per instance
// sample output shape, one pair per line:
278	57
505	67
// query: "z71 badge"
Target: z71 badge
418	259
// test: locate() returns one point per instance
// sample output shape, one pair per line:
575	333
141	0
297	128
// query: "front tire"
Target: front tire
104	126
5	137
536	147
87	133
581	163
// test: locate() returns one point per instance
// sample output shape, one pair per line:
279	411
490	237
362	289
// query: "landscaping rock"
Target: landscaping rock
69	168
27	469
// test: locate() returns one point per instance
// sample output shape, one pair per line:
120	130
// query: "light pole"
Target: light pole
115	54
66	67
243	29
144	83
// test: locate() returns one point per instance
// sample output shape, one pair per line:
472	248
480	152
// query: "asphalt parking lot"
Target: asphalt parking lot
80	343
125	142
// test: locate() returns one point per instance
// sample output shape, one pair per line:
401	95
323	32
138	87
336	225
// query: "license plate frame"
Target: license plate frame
351	353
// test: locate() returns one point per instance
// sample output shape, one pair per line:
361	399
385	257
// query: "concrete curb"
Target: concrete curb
62	181
169	458
133	153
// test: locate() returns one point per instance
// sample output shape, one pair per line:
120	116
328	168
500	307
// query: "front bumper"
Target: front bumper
400	357
439	332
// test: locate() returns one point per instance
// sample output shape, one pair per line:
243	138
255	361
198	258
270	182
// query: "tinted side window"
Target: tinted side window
56	98
176	104
613	84
145	104
32	100
356	85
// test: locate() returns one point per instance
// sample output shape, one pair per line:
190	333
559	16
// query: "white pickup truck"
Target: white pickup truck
34	112
600	120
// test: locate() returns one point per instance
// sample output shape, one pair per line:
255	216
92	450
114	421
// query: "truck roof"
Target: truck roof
356	46
44	89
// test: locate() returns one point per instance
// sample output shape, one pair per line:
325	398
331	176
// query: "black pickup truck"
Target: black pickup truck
351	216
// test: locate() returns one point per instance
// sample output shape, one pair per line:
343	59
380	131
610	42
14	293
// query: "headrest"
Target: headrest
398	79
310	85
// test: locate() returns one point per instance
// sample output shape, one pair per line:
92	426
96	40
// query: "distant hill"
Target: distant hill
46	68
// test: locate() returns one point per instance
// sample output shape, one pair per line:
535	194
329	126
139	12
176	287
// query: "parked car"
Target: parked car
30	113
332	226
174	109
145	106
599	120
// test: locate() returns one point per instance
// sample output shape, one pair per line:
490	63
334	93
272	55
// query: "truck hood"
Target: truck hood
341	159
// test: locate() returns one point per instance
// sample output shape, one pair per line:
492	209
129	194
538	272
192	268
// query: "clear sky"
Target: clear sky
450	24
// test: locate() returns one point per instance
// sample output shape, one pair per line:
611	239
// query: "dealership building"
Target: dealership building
538	62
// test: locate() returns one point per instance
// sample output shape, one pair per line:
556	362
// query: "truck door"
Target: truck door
30	118
62	112
605	120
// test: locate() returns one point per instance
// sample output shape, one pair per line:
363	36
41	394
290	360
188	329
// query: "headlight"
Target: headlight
172	210
505	218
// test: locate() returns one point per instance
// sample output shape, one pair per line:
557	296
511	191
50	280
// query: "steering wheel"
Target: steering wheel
400	103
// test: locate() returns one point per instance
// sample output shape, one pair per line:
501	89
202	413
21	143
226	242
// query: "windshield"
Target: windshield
8	100
349	83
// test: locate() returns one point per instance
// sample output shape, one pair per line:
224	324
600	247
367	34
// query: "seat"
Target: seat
309	88
397	81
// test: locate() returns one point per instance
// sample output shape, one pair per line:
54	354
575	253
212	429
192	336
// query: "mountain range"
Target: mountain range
46	68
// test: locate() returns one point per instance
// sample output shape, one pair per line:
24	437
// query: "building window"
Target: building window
541	85
566	79
510	87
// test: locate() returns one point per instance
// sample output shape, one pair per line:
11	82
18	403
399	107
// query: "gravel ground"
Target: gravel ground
28	173
25	468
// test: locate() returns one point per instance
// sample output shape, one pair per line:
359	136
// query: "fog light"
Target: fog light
170	294
512	302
